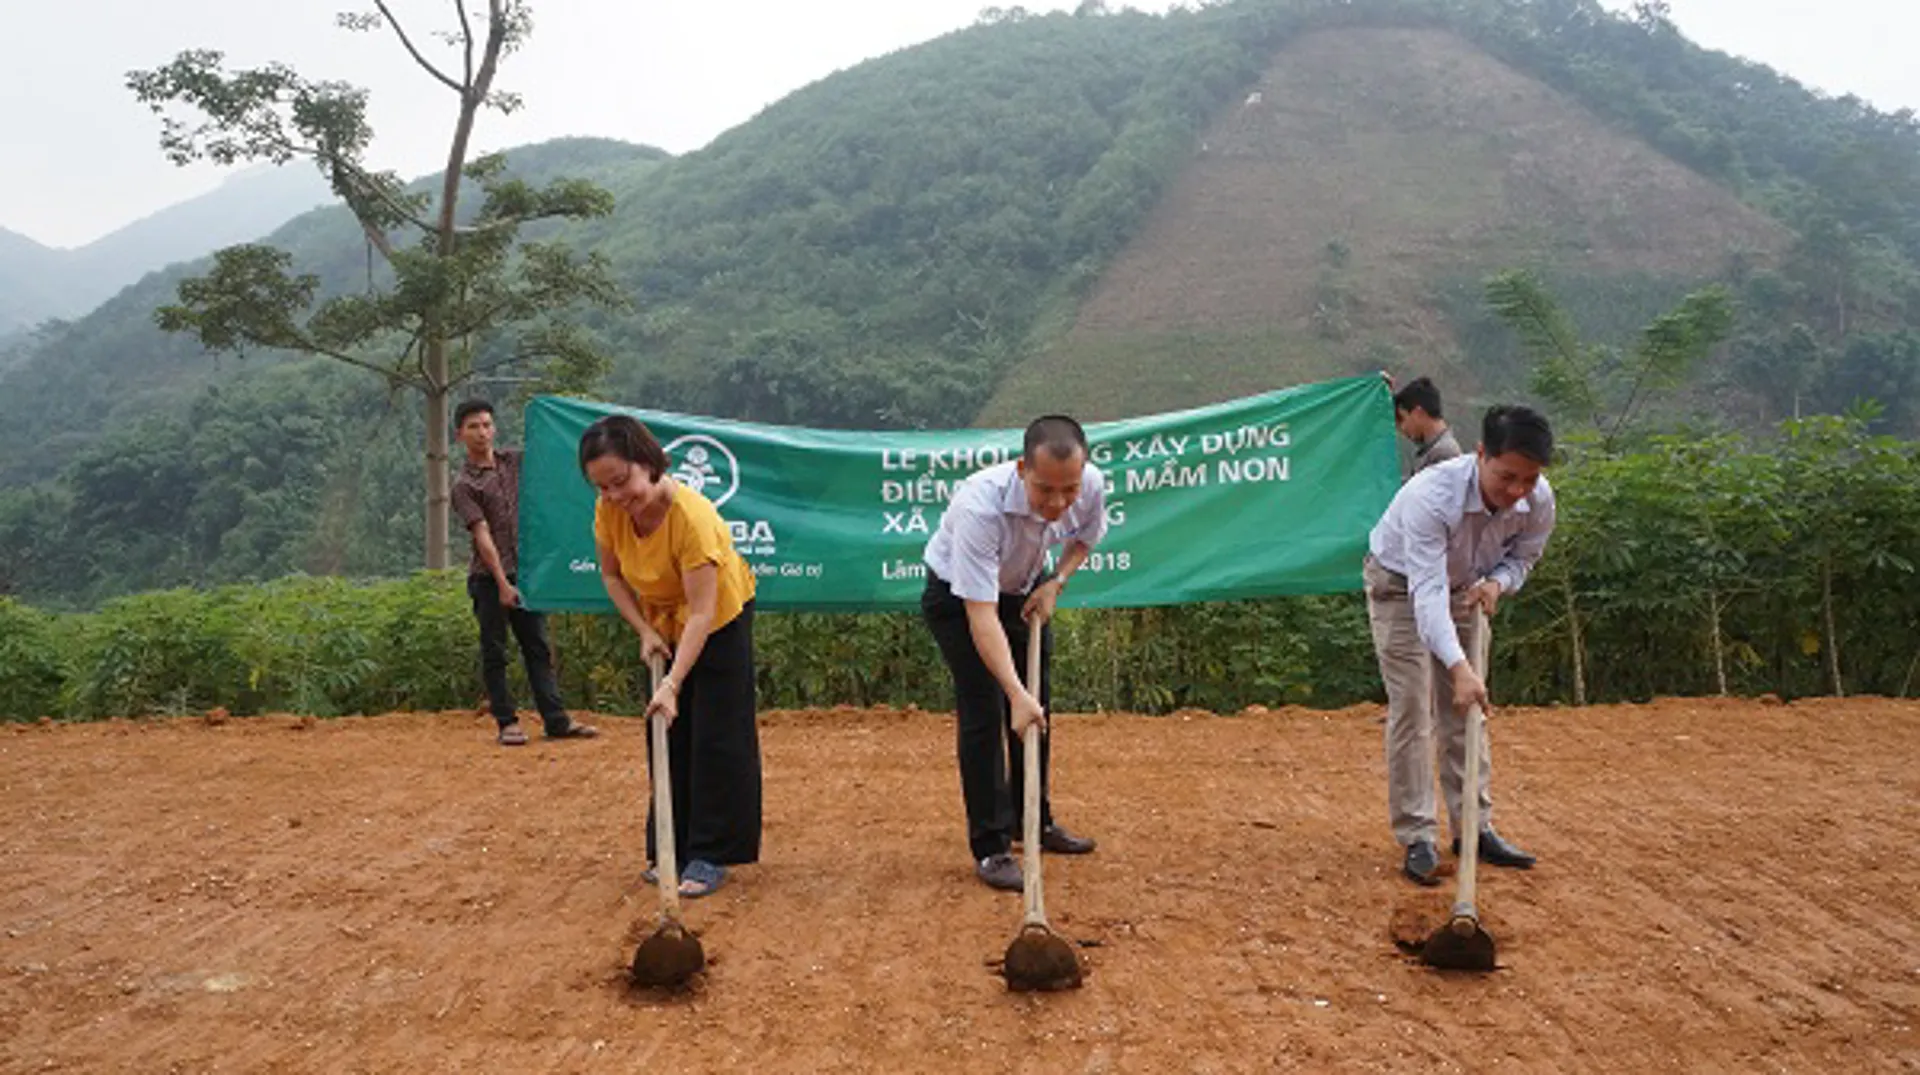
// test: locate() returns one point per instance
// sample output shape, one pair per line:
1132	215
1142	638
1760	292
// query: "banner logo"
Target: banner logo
705	466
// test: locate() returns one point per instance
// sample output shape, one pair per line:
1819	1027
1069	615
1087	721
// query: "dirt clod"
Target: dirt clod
1040	960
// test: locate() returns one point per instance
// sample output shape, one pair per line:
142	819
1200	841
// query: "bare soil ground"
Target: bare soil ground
1725	886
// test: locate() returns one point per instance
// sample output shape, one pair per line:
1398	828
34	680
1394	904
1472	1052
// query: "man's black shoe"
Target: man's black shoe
1061	842
1497	852
1001	871
1423	863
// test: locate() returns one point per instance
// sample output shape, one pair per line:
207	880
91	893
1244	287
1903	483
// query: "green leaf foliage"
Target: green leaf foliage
1692	561
880	249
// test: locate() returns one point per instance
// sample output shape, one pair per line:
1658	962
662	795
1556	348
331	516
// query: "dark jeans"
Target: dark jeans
530	629
993	782
713	750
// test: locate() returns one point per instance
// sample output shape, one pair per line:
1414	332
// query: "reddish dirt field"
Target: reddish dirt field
1723	887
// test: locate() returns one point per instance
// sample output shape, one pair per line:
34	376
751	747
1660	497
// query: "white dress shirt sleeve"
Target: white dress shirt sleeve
975	565
1425	548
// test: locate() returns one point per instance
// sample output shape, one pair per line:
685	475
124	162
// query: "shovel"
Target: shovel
670	955
1462	944
1038	959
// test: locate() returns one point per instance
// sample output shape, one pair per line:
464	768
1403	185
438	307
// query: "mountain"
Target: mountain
39	282
1106	213
246	206
1322	221
1084	211
112	367
31	284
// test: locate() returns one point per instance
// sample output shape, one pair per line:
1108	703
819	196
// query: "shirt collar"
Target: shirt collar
1013	499
1476	504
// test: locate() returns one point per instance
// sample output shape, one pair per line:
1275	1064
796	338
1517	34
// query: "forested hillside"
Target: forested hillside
994	220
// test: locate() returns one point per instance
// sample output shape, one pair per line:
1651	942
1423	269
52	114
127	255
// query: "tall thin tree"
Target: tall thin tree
463	294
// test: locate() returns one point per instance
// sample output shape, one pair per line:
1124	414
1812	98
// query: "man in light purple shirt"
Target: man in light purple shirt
1460	534
985	593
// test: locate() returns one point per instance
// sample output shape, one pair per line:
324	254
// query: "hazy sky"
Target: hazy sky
78	155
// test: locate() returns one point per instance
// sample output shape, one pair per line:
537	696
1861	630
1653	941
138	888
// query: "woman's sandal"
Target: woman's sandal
701	878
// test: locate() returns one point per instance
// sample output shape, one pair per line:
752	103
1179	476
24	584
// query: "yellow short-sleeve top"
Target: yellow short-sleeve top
693	534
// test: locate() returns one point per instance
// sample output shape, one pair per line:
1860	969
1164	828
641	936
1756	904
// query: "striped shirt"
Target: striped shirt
491	495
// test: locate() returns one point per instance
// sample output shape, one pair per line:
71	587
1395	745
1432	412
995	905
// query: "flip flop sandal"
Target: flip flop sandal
512	736
705	876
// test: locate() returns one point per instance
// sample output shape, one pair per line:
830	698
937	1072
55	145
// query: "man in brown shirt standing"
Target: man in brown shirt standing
486	496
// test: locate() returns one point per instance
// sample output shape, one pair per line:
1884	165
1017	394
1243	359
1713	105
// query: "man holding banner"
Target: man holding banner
1416	413
1461	533
984	594
486	497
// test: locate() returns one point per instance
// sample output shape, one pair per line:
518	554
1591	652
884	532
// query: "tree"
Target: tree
1599	387
1653	16
1597	390
1847	493
1827	259
452	293
1881	366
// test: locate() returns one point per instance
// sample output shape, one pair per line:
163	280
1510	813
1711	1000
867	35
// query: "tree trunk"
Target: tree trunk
1833	637
438	376
439	476
1579	659
1719	644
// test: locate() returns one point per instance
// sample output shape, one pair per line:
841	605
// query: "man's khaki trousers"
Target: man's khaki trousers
1419	705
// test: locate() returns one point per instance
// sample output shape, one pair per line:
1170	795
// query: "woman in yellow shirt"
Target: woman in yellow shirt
670	567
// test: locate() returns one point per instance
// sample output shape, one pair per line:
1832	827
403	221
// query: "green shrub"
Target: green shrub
31	672
1784	567
155	653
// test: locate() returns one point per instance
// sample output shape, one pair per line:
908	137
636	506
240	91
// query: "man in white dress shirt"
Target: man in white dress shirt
985	592
1459	534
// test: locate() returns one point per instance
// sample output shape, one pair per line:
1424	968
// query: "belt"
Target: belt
1401	580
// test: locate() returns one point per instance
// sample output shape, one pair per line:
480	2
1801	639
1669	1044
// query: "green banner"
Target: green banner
1273	494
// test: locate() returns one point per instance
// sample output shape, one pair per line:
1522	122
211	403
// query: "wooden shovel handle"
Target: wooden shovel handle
1030	838
666	864
1463	903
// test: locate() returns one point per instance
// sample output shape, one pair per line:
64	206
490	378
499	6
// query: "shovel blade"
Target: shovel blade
1461	945
1040	960
668	957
